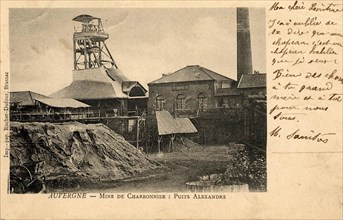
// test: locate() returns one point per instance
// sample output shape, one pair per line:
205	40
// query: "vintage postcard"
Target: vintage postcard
187	109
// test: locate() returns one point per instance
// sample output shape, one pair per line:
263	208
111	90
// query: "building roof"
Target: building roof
191	73
128	85
98	83
228	92
252	81
83	89
116	75
63	103
26	98
167	124
84	18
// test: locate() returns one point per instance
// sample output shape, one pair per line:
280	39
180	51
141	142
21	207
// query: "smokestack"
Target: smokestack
244	61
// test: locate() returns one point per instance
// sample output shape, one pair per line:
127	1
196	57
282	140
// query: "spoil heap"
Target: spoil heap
186	144
75	149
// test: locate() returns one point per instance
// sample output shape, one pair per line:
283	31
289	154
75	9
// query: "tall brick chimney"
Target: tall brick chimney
244	61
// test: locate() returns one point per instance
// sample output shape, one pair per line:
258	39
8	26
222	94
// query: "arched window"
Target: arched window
160	103
180	102
202	102
136	91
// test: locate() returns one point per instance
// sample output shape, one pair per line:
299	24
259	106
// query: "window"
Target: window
131	125
180	101
220	102
136	91
202	100
160	103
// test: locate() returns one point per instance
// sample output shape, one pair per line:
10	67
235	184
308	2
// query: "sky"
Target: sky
145	43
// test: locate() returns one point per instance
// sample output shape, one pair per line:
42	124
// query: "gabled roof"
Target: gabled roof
26	98
228	92
63	103
191	73
252	81
128	85
167	124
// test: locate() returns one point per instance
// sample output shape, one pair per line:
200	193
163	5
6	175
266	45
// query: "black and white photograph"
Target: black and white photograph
171	109
148	100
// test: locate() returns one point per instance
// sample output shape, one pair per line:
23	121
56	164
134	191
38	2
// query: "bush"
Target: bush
247	166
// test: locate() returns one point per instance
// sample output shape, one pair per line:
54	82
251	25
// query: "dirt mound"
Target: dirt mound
70	149
186	144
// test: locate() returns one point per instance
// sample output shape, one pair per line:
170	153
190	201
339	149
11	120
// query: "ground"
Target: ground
177	169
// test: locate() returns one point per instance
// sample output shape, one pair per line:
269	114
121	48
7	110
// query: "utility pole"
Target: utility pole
137	135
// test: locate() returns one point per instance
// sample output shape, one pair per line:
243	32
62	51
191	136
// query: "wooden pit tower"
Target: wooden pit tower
90	50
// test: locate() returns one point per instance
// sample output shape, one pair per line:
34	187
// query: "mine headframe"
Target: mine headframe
90	50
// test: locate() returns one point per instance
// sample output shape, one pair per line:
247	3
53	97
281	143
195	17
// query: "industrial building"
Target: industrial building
97	80
32	106
187	91
219	108
222	109
118	102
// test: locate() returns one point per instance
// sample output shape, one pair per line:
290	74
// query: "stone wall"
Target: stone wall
190	90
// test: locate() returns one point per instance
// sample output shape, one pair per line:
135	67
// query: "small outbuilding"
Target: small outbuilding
32	106
169	126
24	101
63	109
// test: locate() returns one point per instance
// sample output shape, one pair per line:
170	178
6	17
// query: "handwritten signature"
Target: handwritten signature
302	135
